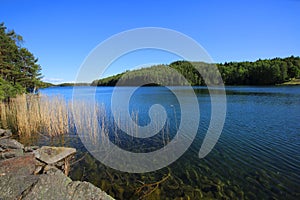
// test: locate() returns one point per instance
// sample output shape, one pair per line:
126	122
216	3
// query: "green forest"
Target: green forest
261	72
19	71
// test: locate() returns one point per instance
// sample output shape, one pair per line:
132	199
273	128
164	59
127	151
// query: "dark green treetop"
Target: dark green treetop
19	70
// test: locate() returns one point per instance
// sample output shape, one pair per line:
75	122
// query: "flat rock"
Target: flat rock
18	166
10	144
51	155
85	190
55	185
17	179
12	186
50	186
16	175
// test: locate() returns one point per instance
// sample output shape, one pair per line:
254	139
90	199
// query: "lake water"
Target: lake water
257	155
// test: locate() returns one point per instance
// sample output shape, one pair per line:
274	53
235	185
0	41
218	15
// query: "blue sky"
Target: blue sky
62	33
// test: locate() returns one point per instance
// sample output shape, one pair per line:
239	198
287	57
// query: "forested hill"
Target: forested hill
261	72
19	71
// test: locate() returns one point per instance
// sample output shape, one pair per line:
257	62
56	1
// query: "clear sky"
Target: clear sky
62	33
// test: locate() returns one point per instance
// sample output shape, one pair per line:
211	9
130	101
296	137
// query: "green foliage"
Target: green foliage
7	90
72	84
109	81
19	71
189	71
260	72
46	84
155	75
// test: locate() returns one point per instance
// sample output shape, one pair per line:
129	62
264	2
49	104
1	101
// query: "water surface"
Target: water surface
256	157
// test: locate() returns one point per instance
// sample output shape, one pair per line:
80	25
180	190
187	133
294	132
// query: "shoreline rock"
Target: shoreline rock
33	173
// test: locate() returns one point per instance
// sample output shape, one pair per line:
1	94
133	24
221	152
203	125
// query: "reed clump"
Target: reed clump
30	114
53	115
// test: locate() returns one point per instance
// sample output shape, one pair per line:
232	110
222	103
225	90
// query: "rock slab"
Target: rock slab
18	166
16	176
55	185
8	143
52	155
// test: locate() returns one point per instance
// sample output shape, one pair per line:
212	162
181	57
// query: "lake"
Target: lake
256	157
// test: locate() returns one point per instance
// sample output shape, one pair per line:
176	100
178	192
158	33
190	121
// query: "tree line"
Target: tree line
19	70
261	72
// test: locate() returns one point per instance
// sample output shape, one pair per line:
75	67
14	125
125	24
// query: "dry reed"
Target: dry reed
54	115
29	114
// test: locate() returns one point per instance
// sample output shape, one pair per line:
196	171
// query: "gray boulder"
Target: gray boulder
10	144
85	190
18	166
16	176
10	153
49	186
55	185
12	186
6	133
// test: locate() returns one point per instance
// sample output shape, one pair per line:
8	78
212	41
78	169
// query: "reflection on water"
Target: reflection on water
257	156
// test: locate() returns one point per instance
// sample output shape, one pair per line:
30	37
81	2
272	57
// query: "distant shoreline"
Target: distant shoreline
274	71
289	83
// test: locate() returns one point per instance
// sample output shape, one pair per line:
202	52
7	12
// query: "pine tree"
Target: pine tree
19	70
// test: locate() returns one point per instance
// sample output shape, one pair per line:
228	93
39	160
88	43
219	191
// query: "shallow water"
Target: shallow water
256	157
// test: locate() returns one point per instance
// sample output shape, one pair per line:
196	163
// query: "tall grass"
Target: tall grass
30	114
